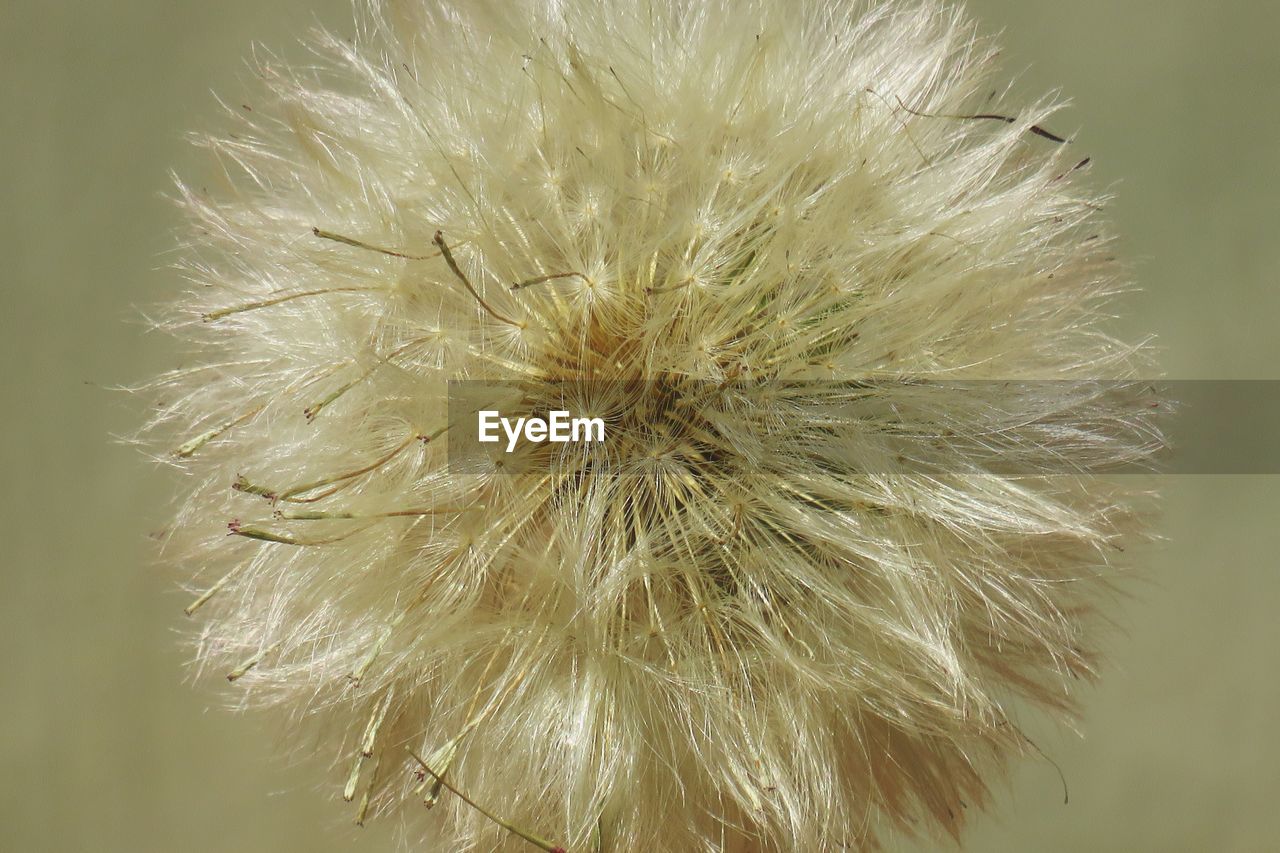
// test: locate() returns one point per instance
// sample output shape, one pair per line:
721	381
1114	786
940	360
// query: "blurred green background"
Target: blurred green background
103	747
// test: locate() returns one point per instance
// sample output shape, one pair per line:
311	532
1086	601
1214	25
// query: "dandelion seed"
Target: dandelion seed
796	599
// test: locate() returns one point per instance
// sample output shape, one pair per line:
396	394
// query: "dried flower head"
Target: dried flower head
791	607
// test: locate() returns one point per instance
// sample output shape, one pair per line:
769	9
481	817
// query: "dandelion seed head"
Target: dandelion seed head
742	232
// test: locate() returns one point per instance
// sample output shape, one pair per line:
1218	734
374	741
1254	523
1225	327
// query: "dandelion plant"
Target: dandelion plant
844	307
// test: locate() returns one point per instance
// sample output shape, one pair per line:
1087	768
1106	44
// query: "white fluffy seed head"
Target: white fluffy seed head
749	628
